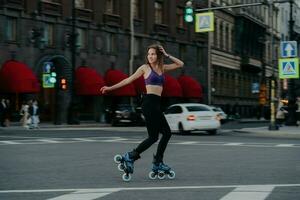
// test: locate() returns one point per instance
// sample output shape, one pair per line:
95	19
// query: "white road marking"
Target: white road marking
191	142
83	195
138	140
84	139
259	192
106	190
233	144
9	142
49	141
285	145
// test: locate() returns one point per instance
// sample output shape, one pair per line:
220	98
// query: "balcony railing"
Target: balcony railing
50	8
161	29
84	14
14	4
112	19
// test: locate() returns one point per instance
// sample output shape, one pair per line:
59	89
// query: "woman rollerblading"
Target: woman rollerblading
153	73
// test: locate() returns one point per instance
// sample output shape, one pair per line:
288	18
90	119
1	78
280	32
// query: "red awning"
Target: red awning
88	81
17	77
139	85
115	76
171	87
190	87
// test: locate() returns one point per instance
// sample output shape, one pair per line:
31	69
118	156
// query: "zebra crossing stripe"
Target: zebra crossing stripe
48	141
9	142
81	196
260	192
233	144
285	145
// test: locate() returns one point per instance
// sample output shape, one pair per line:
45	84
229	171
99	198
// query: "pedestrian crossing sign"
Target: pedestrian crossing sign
204	22
288	68
47	83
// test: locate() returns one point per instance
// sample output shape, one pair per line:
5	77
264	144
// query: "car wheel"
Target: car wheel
181	129
212	132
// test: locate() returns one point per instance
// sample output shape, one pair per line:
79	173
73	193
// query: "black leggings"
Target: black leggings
156	123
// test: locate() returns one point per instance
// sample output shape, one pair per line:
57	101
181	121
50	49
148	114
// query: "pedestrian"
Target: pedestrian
280	114
153	73
24	112
7	112
34	114
2	112
298	110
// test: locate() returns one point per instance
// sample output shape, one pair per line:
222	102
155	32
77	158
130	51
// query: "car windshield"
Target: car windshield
197	108
125	107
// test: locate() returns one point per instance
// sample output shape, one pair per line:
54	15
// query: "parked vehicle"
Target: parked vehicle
222	114
187	117
124	114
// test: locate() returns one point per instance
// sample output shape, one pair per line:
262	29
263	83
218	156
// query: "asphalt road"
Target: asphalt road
78	165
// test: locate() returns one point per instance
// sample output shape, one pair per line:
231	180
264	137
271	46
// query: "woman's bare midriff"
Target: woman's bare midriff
154	89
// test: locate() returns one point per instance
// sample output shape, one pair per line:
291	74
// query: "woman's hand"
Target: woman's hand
163	51
105	89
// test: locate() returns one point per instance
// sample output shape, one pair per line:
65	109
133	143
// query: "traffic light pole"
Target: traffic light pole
291	120
71	113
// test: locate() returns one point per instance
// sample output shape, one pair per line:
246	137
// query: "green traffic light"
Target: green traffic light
52	80
188	18
189	11
53	74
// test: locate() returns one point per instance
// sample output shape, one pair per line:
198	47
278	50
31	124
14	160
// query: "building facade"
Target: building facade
242	57
40	31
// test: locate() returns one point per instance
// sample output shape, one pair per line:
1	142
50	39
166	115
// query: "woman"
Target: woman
152	72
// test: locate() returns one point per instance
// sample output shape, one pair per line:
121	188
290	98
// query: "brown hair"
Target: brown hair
160	56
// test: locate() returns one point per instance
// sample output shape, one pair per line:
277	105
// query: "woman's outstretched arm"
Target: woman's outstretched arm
139	72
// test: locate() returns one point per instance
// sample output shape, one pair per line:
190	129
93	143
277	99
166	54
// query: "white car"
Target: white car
221	113
186	117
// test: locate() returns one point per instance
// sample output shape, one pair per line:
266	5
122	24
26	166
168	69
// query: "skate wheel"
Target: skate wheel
171	175
152	175
118	158
126	177
161	175
121	167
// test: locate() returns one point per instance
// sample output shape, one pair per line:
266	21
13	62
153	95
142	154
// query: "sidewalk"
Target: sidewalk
284	131
51	126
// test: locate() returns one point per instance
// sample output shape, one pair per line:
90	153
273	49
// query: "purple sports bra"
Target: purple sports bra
154	78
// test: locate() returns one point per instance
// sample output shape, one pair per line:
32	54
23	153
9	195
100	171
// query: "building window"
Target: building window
81	38
158	12
179	16
11	29
110	7
182	51
79	4
200	52
111	43
215	34
221	41
136	9
49	35
137	46
227	38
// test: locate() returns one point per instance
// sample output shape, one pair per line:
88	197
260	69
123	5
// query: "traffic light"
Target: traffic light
52	78
188	12
63	84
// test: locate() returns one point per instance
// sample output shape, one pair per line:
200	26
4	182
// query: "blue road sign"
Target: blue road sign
288	49
47	67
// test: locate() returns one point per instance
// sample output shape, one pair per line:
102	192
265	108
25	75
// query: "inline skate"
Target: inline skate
125	164
160	170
